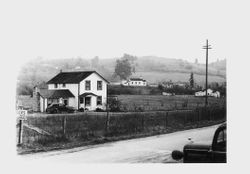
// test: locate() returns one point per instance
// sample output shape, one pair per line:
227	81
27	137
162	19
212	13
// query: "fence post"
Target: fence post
107	122
198	116
142	122
166	120
64	126
210	115
20	132
136	121
185	118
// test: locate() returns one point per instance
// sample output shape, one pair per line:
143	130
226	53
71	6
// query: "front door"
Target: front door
87	101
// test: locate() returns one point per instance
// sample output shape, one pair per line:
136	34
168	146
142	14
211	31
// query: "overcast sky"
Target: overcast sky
109	28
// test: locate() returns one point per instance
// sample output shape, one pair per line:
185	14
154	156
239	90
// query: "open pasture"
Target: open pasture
160	102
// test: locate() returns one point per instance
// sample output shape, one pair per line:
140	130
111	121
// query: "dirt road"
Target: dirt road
155	149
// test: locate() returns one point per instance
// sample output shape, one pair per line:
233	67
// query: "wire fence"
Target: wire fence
88	126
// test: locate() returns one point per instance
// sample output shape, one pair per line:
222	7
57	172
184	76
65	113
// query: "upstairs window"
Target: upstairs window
99	85
87	85
56	85
99	100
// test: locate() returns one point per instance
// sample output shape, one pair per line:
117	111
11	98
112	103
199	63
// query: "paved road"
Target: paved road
155	149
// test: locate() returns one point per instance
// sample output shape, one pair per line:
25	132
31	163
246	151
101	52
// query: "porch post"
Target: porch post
78	96
44	105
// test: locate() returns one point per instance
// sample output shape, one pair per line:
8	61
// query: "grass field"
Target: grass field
155	77
160	102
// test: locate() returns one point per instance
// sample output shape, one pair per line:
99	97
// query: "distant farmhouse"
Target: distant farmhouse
209	93
83	89
135	82
181	84
168	84
155	85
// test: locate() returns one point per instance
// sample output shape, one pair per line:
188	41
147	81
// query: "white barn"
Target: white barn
82	89
216	94
135	82
209	93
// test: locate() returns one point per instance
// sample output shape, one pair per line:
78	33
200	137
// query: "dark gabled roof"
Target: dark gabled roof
61	93
72	77
87	93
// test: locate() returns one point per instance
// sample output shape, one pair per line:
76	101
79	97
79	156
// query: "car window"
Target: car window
221	136
220	142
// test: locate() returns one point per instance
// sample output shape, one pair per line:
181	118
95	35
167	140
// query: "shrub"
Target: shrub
99	110
81	109
114	105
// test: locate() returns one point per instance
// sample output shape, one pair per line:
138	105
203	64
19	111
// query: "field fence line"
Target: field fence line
85	126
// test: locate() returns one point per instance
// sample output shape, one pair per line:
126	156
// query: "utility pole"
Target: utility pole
206	47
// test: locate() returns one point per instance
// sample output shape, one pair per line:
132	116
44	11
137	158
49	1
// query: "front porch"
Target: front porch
90	101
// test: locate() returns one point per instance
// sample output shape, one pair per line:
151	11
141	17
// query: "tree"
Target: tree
129	57
160	87
114	105
125	66
191	80
131	60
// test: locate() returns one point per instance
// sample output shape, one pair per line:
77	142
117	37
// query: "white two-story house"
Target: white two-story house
81	89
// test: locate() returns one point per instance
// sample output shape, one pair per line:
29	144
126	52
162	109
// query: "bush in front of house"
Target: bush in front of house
114	105
99	110
81	109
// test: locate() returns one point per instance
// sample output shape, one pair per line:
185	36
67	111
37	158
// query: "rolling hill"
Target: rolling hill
153	69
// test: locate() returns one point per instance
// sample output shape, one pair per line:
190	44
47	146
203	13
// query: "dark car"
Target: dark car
59	108
202	153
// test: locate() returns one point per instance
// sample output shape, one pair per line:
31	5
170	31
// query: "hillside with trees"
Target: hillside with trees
151	68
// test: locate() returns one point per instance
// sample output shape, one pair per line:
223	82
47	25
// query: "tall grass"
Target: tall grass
91	126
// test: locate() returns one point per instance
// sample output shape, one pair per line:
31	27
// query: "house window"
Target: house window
99	85
56	85
81	100
99	100
87	101
64	85
87	85
65	101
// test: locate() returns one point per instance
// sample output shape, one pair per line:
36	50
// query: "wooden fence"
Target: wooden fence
87	126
